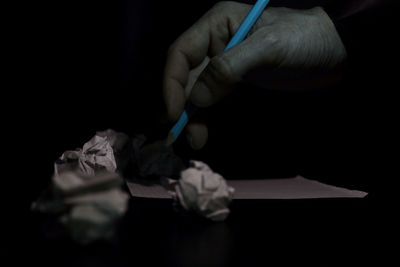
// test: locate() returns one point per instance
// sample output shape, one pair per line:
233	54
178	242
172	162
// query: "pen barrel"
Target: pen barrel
247	23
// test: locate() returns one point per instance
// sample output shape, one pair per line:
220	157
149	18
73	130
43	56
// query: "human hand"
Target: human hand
282	39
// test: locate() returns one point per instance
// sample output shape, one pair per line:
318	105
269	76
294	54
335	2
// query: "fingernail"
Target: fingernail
201	95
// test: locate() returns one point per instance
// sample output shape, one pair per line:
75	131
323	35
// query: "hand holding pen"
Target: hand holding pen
281	38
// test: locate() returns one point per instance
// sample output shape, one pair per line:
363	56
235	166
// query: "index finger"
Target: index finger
208	36
185	53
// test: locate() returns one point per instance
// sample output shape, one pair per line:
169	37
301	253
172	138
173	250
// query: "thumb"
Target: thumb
222	72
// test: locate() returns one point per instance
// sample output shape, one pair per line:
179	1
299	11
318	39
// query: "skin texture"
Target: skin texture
284	40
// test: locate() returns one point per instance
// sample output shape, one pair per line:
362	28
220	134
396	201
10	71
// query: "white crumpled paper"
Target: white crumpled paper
201	190
86	192
88	206
98	154
96	208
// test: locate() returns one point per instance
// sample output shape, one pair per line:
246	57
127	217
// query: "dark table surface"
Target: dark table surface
319	232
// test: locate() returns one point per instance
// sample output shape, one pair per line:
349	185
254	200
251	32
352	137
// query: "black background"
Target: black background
84	66
87	66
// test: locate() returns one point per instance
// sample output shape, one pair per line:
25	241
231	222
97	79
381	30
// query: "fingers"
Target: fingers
197	134
194	75
208	36
173	84
228	68
185	53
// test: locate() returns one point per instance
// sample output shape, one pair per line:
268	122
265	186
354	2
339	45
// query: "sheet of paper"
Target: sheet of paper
284	188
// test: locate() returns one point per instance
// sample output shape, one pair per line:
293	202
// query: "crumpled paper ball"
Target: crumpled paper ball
201	190
85	194
122	148
88	206
107	150
94	215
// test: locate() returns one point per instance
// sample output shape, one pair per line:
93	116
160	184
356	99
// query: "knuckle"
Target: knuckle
221	5
269	35
221	70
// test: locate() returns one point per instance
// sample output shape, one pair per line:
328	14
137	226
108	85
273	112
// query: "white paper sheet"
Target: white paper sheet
284	188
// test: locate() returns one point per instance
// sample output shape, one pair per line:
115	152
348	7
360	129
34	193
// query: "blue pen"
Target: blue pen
241	33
